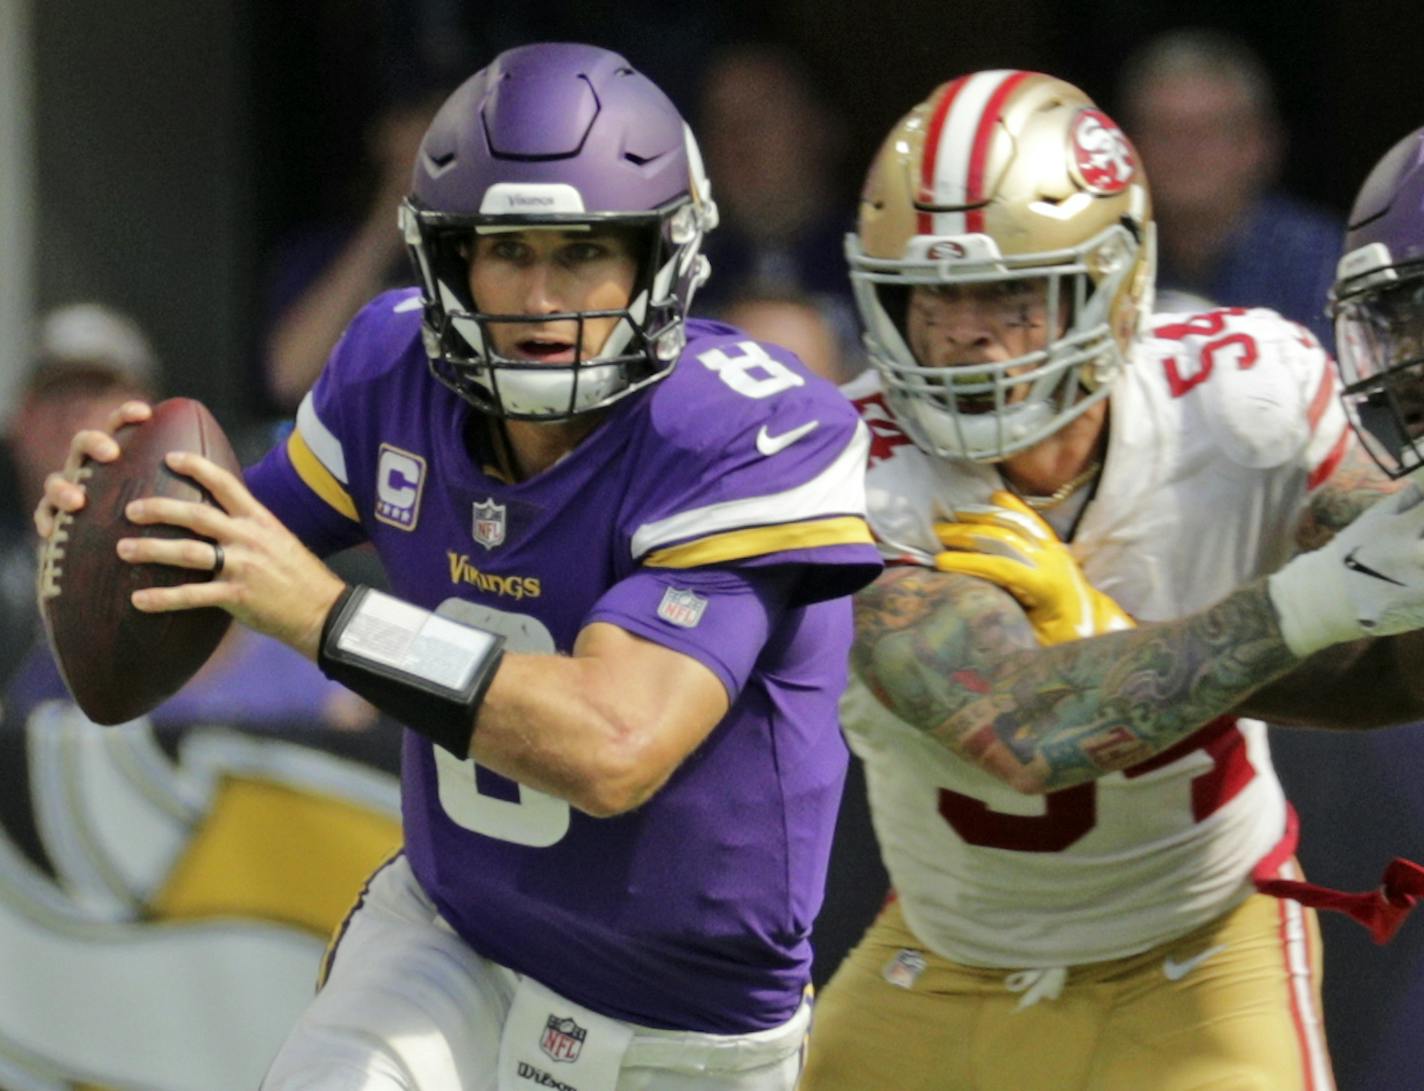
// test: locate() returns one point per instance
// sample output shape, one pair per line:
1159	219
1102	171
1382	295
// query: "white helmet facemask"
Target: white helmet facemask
984	412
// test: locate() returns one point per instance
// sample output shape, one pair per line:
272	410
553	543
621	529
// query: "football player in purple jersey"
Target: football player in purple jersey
619	542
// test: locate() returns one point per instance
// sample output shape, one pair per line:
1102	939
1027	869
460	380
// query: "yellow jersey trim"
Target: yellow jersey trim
318	478
735	545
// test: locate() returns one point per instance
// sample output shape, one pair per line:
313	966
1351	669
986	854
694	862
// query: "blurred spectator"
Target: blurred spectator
800	323
324	273
772	150
88	359
1201	109
207	849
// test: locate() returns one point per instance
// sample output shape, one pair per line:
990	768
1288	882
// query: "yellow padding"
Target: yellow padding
271	852
736	544
318	478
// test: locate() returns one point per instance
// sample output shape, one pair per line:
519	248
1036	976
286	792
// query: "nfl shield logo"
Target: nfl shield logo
489	524
905	968
682	608
562	1039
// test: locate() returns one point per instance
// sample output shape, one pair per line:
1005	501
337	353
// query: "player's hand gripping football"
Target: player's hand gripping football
262	574
62	492
1006	543
1367	581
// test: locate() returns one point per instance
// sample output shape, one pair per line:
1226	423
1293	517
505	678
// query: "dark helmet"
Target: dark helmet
1378	306
557	135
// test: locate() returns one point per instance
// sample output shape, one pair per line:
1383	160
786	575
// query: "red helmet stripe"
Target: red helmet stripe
988	120
931	152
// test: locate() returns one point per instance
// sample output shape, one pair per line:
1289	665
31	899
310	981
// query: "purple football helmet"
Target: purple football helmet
1378	306
557	135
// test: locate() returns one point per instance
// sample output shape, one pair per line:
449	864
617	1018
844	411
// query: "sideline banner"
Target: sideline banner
166	891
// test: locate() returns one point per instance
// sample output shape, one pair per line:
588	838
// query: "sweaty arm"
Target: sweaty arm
1364	683
956	658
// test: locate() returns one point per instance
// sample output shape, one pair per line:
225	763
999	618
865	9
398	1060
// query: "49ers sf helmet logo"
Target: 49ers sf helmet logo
1102	158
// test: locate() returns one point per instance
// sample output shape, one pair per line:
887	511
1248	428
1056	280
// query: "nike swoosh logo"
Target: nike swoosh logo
1173	970
1365	570
768	444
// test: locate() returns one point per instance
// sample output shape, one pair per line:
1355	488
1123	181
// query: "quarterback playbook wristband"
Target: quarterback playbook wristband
426	671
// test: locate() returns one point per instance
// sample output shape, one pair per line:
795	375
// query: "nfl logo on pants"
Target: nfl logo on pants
563	1038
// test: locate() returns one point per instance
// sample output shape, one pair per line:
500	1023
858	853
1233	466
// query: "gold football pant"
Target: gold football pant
1232	1006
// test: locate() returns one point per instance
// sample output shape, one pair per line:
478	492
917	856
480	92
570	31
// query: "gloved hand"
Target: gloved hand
1368	581
1008	544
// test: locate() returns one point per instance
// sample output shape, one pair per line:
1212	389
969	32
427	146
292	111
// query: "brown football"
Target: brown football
117	661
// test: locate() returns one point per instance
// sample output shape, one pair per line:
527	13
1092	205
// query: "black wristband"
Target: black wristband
427	671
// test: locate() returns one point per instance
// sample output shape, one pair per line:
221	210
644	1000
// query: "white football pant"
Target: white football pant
408	1006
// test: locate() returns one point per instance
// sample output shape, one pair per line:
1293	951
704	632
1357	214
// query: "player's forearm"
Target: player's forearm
1358	686
549	722
962	667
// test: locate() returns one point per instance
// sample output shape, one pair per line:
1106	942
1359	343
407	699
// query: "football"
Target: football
118	662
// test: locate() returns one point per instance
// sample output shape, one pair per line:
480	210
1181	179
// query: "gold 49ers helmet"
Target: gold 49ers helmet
1002	177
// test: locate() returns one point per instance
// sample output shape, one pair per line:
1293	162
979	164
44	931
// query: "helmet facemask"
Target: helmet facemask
1379	328
641	347
989	411
557	136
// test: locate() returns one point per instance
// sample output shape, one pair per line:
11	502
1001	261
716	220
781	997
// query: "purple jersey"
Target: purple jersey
719	513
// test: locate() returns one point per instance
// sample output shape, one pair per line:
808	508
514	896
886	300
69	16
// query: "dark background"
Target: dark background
179	140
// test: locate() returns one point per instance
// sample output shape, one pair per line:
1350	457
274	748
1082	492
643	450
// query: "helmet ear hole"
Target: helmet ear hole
450	253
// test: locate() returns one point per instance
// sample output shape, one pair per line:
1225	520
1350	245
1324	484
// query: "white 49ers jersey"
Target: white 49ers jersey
1220	427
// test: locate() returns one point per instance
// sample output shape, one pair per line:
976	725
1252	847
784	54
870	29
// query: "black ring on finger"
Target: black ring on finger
217	559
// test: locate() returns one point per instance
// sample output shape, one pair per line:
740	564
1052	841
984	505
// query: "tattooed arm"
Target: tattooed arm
955	657
1364	684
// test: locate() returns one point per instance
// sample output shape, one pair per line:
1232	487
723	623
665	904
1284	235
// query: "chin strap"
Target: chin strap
1381	910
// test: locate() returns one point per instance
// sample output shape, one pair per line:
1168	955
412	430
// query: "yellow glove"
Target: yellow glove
1009	545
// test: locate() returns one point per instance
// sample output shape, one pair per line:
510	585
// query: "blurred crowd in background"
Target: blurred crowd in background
1254	122
247	156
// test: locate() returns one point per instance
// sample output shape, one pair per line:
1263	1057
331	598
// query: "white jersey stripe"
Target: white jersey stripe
1309	1022
839	489
956	147
928	167
319	438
